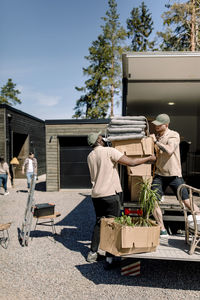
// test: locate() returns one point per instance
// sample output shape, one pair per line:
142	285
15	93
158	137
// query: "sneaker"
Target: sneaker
92	257
163	233
6	193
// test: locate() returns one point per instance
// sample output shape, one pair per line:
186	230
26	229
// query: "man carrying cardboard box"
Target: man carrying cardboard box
168	165
102	162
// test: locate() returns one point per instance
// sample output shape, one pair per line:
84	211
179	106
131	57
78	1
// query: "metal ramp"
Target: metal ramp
171	248
24	233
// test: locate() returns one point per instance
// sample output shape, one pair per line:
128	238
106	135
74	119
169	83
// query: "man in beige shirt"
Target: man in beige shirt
168	164
102	163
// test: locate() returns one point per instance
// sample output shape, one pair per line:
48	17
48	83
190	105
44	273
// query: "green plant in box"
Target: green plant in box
124	220
148	199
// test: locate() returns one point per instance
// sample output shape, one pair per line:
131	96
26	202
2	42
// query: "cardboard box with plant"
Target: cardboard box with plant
127	235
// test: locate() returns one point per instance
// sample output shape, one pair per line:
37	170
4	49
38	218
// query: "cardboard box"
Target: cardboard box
141	170
144	146
134	185
120	240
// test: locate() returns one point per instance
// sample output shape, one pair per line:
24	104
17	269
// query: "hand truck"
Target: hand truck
24	233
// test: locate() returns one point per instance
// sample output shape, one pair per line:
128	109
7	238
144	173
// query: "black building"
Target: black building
21	133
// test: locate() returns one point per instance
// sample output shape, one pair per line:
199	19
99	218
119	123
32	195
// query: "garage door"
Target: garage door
74	172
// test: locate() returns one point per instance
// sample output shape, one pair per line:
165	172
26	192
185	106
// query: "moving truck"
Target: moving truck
165	82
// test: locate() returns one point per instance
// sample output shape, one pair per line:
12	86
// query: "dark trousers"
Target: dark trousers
160	183
104	207
3	179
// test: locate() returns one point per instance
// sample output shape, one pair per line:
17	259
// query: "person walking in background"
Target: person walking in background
106	186
30	167
168	165
4	173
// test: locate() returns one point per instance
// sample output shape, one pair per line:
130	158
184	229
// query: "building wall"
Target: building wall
53	131
2	132
17	122
198	130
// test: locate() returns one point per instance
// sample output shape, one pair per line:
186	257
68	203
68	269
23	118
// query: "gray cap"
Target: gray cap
92	138
161	119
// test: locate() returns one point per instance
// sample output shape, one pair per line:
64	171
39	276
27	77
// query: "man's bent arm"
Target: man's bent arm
170	148
127	161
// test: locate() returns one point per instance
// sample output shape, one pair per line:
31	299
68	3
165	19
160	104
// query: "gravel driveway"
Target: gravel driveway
55	268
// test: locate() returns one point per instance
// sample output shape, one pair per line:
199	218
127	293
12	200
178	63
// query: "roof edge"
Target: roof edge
77	121
161	54
6	106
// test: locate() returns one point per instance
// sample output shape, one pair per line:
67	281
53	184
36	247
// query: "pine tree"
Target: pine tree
9	94
114	35
182	22
95	101
104	69
139	28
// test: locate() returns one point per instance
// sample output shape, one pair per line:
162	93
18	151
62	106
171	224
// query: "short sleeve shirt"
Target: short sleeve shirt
30	165
168	159
102	163
4	169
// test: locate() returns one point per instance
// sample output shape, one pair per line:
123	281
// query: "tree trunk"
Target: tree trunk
112	101
193	26
112	90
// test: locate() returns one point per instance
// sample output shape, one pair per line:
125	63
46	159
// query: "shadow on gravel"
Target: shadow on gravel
154	273
77	234
78	225
41	186
41	233
22	191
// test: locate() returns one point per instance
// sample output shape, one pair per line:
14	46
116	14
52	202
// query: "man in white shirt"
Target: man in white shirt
106	186
30	166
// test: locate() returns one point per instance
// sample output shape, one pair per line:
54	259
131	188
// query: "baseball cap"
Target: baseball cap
161	119
92	138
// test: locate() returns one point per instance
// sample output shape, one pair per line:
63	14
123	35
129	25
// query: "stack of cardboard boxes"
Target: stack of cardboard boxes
121	239
136	148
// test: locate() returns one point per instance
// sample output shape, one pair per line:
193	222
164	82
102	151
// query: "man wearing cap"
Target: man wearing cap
102	163
168	164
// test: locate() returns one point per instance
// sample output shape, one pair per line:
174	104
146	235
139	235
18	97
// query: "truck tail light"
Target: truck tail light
136	212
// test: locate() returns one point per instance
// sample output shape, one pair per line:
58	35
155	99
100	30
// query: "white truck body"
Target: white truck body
167	82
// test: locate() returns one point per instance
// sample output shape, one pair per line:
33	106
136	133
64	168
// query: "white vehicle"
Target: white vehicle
167	82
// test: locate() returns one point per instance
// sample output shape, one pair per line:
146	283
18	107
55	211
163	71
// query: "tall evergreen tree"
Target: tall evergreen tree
139	28
8	94
104	69
182	23
114	35
94	103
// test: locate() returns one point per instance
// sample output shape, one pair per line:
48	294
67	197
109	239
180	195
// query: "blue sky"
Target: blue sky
43	44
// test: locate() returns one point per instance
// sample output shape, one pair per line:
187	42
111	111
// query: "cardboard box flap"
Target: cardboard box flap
135	238
143	169
112	238
134	148
144	146
147	145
